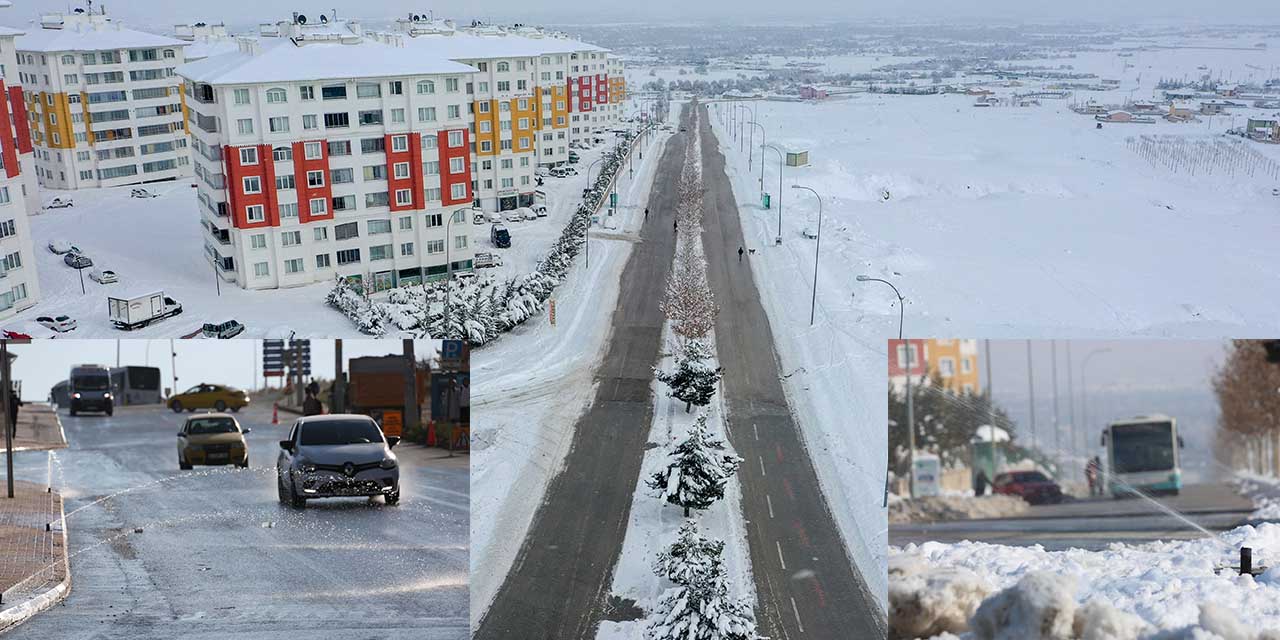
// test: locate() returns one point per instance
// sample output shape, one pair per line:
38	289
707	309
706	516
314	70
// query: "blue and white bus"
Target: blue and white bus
1142	454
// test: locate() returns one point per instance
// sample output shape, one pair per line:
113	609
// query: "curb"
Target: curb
20	613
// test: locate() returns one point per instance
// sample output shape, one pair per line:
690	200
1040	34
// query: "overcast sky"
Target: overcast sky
235	362
564	12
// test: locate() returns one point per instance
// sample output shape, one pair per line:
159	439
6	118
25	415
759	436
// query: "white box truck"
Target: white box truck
136	311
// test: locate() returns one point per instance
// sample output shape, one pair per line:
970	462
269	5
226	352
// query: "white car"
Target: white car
494	217
60	247
61	324
103	276
540	210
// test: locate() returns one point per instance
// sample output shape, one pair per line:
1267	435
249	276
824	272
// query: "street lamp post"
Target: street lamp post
448	269
911	405
813	303
753	129
781	163
1084	389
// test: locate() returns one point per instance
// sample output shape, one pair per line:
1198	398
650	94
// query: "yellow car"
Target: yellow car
212	438
209	396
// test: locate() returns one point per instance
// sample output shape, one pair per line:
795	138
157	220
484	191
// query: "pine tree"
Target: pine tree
699	606
698	472
694	380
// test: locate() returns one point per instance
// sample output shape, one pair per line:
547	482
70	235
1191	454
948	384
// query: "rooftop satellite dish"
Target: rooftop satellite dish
324	19
417	18
79	11
302	19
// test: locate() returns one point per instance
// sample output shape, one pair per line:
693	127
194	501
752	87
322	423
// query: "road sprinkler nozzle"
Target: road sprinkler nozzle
1246	561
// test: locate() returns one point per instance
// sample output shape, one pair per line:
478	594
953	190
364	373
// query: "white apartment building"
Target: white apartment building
104	104
19	195
316	158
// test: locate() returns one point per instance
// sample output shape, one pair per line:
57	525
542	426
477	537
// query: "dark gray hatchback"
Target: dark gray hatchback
338	455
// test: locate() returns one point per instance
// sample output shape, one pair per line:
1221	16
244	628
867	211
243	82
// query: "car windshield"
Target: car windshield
201	426
92	383
334	432
1030	476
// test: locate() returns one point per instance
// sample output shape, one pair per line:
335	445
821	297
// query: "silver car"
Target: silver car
337	455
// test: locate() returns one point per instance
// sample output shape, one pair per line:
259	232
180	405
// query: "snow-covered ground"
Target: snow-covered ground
533	384
1164	585
654	524
998	222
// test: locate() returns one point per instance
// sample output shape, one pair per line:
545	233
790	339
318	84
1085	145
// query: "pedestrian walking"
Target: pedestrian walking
311	405
739	254
1091	475
981	483
14	402
675	224
646	213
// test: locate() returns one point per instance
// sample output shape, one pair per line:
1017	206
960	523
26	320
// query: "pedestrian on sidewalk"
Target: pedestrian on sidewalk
14	401
739	254
646	213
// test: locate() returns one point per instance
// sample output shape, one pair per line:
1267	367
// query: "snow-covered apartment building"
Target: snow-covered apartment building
19	196
321	150
105	106
954	361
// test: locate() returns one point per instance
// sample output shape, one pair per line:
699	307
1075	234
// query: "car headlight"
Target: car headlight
76	396
387	463
107	396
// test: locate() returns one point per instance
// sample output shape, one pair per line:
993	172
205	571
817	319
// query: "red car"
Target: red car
1031	486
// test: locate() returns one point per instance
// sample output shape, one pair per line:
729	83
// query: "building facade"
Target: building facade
104	104
19	195
954	361
321	153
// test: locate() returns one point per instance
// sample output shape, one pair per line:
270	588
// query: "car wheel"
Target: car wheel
245	464
176	406
235	409
296	501
220	406
280	489
184	465
392	498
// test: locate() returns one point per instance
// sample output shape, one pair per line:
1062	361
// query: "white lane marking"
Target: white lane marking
780	559
761	459
769	501
796	611
755	430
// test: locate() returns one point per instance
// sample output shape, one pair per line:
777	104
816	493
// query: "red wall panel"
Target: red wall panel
238	200
7	139
447	179
413	156
301	165
21	123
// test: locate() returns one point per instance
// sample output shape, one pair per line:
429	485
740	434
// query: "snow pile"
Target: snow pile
1156	591
1265	493
481	309
934	508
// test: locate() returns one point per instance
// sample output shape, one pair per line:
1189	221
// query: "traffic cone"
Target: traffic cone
275	413
431	433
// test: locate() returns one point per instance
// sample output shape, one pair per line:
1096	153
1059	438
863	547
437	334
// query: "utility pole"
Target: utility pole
339	401
4	402
297	371
411	418
991	396
1053	376
1071	404
1031	395
173	365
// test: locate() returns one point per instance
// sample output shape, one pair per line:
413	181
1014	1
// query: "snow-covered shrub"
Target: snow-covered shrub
698	471
699	607
694	379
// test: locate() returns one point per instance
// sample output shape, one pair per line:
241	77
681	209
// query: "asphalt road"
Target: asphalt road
559	583
1095	523
806	585
219	557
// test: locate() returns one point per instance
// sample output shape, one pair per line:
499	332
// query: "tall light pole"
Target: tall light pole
448	270
1031	395
1084	388
782	161
813	303
1053	380
586	233
1071	404
755	124
742	122
911	409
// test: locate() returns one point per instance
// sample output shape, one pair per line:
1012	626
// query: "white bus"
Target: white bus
1142	454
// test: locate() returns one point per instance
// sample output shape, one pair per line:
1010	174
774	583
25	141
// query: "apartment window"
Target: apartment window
293	265
455	111
248	155
276	96
8	227
455	138
242	96
370	117
431	168
11	262
375	172
315	179
406	248
507	183
399	143
341	176
368	90
433	194
395	88
406	223
504	85
291	238
322	261
344	203
460	242
339	148
243	125
458	191
426	86
451	85
484	87
348	256
337	120
288	209
278	124
285	181
401	170
456	165
397	115
261	270
486	126
334	92
70	78
426	114
310	121
380	252
903	356
404	197
372	145
282	154
484	107
307	92
966	365
435	246
379	226
252	185
255	213
434	219
378	199
318	206
312	151
486	146
321	234
346	231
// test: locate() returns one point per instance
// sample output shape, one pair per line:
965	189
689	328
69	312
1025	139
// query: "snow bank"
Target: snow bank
1155	591
934	508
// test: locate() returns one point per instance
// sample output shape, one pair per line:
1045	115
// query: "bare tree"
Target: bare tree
1248	391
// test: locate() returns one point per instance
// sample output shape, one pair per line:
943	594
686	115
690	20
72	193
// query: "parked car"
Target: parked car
479	218
103	276
77	260
569	171
139	192
542	171
60	246
209	396
337	455
61	324
493	216
526	213
559	172
212	438
485	260
60	203
225	330
540	210
1031	486
574	157
499	236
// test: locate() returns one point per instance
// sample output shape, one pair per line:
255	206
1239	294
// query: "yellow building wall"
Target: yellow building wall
52	119
492	135
937	349
523	140
617	89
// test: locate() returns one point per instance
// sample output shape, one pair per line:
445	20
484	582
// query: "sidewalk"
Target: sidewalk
33	575
39	429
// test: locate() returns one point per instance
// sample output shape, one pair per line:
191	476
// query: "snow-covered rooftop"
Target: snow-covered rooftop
283	60
79	33
440	37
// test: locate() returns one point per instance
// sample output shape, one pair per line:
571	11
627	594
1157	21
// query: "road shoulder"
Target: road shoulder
38	573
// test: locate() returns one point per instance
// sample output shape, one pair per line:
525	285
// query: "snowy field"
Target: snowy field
532	385
995	222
